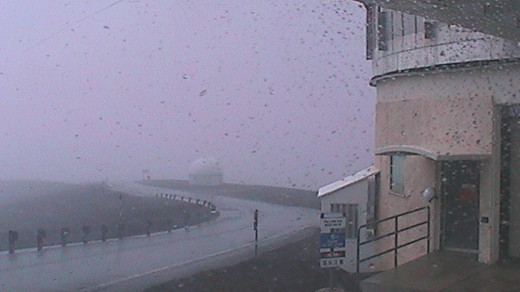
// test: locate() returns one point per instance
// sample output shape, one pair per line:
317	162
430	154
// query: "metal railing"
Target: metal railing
395	233
117	228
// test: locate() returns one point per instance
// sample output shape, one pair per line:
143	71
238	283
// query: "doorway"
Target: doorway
460	189
510	183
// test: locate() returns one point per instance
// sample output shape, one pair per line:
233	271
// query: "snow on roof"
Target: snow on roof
347	181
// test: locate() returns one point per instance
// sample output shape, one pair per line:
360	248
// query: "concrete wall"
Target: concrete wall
445	113
453	114
420	172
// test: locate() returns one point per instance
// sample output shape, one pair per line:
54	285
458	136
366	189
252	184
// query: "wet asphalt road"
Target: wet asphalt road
133	264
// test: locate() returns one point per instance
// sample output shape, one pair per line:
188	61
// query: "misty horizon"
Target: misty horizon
278	93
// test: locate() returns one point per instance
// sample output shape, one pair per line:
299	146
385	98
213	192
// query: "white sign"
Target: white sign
332	262
332	242
332	220
332	215
333	223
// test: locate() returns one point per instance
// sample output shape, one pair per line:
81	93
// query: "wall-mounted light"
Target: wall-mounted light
429	194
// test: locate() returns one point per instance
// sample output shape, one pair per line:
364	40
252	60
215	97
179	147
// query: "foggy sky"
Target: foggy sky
277	91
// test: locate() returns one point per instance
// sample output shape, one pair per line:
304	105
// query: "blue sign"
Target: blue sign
332	240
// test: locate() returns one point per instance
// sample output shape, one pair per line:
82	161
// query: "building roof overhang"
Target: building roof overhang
434	155
494	17
347	181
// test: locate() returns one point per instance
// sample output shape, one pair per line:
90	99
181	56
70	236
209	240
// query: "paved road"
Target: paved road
133	264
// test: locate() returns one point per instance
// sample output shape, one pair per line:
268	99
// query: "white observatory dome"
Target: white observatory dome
205	172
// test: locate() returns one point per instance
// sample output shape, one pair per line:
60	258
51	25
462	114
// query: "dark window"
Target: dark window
371	31
429	30
382	30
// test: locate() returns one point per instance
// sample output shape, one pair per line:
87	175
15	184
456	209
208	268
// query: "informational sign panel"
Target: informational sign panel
333	254
331	262
332	242
333	222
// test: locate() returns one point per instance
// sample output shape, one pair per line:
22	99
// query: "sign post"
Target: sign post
332	241
13	236
255	227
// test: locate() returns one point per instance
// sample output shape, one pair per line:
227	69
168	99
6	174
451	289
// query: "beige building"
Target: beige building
446	118
448	121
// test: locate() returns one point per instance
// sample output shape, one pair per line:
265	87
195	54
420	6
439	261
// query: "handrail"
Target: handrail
394	233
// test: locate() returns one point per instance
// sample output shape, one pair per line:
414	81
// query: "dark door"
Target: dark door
460	188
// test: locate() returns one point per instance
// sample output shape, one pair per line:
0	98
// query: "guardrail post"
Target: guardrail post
170	225
148	227
40	236
13	236
104	232
65	231
86	231
121	230
186	219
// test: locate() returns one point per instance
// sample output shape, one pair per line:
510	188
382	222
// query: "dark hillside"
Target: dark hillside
274	195
20	190
93	205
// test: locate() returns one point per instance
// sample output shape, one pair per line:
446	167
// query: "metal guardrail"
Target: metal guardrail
22	239
394	233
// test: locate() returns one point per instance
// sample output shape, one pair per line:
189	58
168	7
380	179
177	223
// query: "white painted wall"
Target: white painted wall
356	193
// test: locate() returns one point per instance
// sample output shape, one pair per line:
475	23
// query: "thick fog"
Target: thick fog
277	91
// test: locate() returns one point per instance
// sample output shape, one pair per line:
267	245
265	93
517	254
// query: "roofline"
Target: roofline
416	150
441	68
347	181
406	150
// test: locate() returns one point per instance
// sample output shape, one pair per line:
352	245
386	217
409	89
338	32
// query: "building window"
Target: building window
383	27
409	25
397	174
373	191
351	214
371	31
